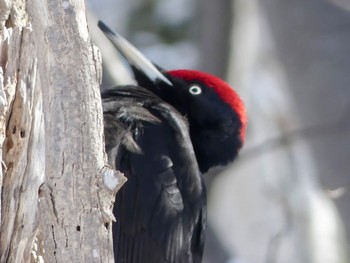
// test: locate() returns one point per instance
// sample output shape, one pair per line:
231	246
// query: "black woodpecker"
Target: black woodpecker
163	133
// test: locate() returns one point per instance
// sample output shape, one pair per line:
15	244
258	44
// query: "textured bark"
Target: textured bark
57	192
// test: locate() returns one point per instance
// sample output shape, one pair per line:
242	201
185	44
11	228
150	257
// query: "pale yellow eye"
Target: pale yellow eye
195	90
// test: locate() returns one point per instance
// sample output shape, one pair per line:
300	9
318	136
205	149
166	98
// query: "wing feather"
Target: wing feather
154	221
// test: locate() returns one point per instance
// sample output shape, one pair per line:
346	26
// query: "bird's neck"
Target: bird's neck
214	147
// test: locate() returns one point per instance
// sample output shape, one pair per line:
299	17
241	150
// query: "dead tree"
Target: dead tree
57	191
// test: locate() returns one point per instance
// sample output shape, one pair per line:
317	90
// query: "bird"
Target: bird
164	133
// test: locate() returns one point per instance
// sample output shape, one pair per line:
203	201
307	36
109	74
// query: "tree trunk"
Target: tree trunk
57	191
214	25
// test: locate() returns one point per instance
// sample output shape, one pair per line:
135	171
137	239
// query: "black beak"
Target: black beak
134	57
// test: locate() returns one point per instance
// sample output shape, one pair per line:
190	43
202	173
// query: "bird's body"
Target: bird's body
161	206
162	134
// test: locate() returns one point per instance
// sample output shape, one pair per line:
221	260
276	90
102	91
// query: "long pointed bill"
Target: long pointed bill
132	55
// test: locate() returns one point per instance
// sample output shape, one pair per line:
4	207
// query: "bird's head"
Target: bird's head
215	112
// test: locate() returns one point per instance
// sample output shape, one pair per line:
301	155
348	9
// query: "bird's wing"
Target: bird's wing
150	205
123	108
154	223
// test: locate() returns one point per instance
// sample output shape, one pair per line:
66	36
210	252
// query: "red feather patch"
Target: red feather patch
225	92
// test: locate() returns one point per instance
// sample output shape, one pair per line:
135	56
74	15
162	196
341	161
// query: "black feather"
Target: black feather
160	211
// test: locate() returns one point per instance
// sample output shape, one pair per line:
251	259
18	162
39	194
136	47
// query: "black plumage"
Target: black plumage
160	211
162	134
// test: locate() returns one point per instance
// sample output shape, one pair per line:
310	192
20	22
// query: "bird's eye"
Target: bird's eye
195	90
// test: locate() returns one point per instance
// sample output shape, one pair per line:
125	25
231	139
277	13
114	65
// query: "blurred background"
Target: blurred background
286	198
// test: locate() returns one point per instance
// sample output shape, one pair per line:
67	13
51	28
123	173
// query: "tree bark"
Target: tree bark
57	191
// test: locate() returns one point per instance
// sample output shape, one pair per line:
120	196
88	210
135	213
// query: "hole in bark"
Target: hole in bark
107	225
40	191
14	129
9	166
9	23
23	134
9	144
78	228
